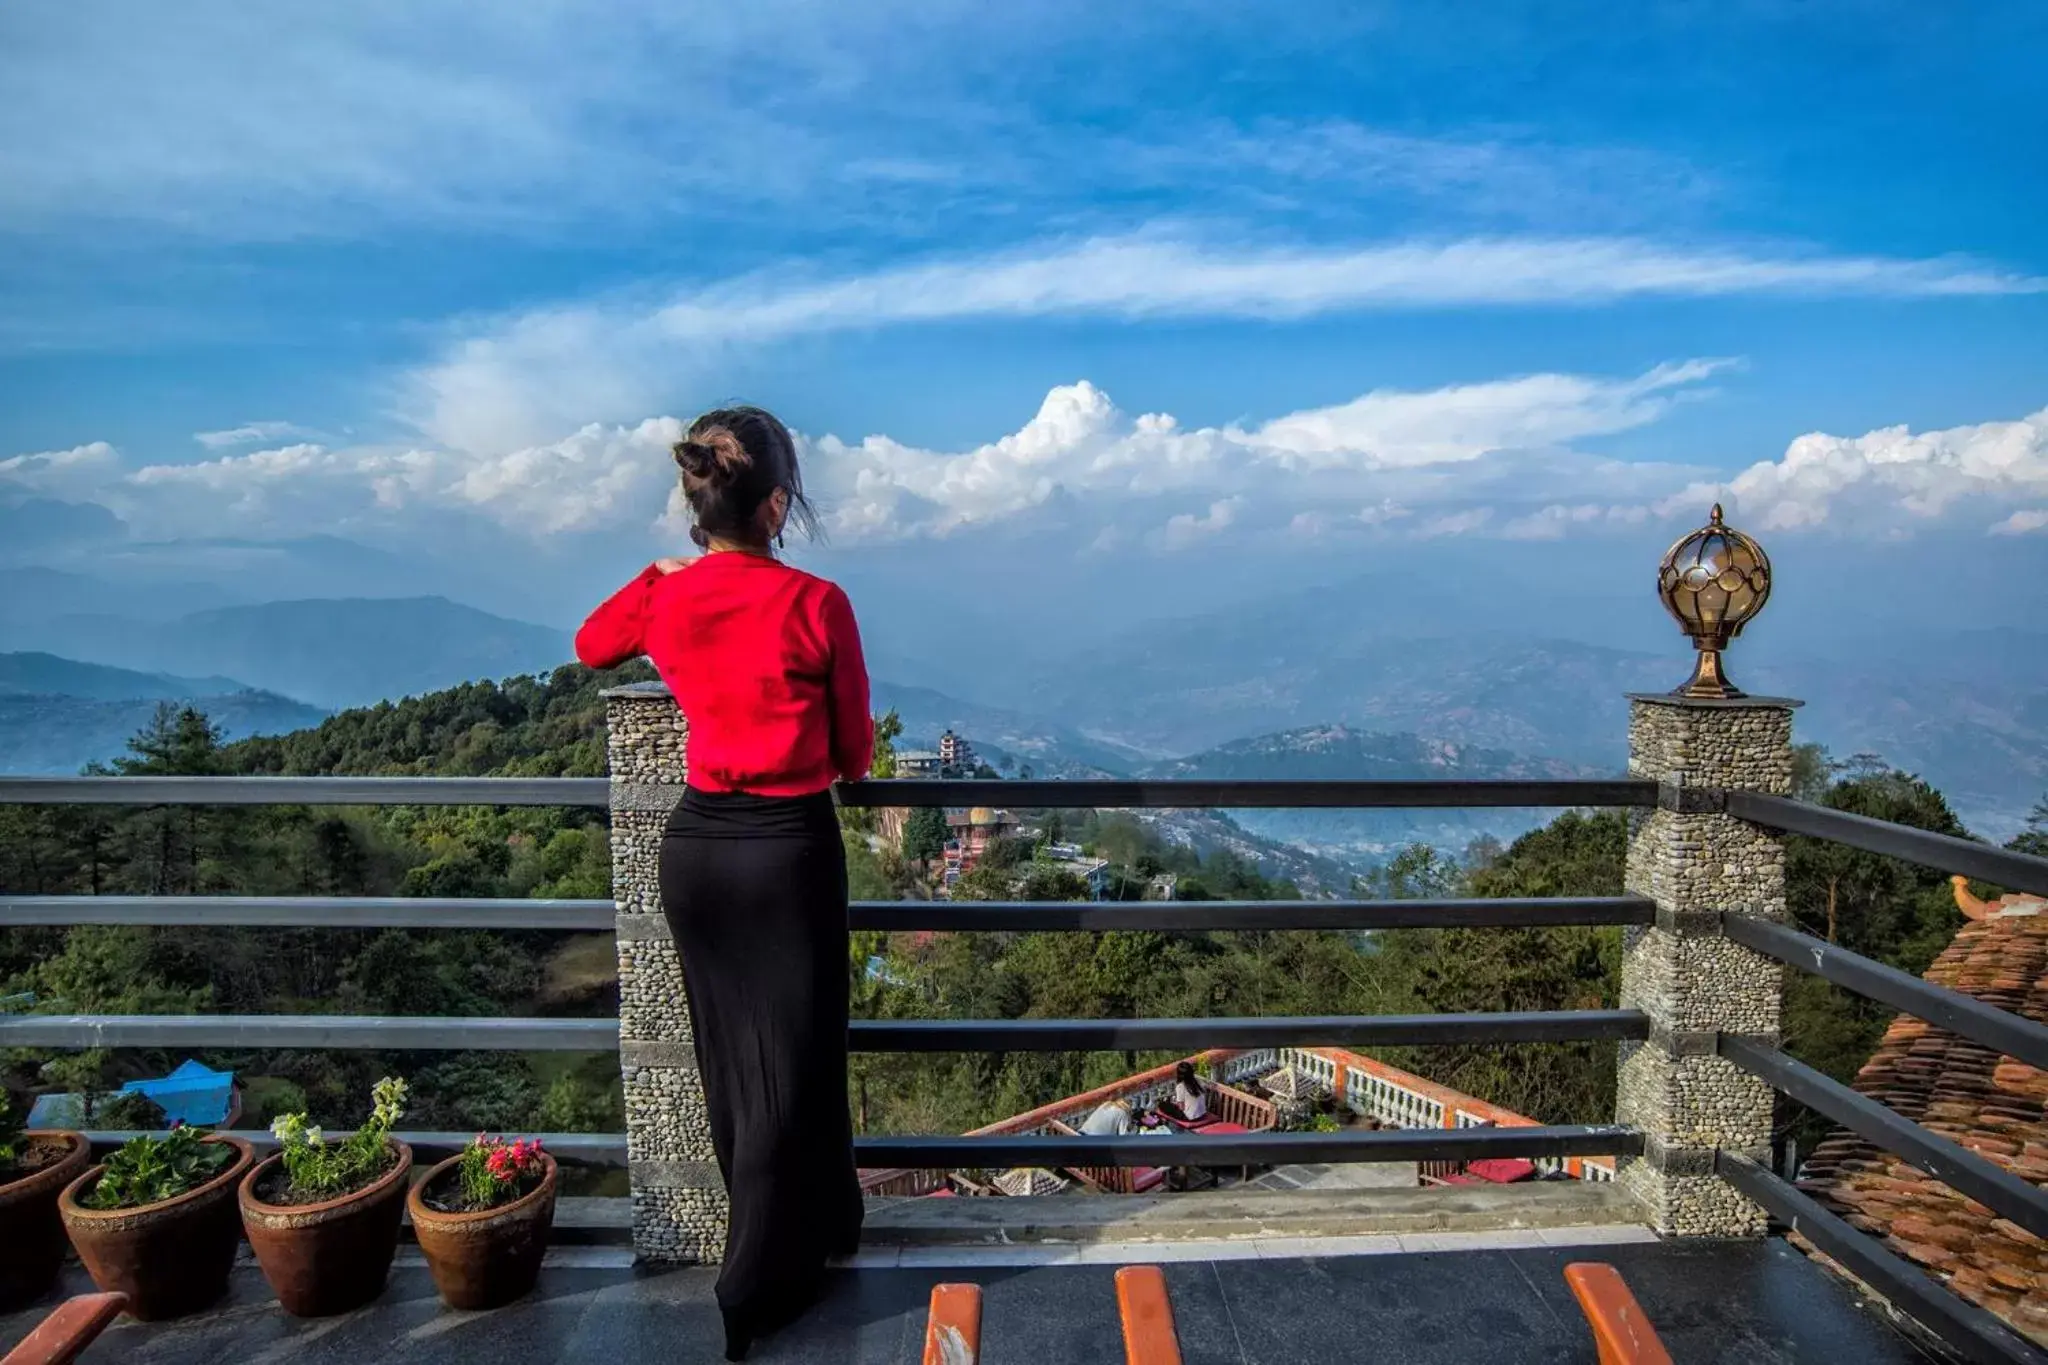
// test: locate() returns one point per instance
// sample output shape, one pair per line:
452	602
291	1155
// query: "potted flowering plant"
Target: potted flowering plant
323	1216
482	1218
157	1220
35	1166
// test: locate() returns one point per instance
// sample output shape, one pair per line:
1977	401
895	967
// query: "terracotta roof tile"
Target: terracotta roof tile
1991	1104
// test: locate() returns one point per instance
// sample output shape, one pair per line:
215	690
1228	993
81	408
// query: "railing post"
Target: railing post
679	1209
1698	864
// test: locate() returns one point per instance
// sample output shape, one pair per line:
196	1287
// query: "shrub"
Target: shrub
11	1142
316	1170
148	1170
133	1111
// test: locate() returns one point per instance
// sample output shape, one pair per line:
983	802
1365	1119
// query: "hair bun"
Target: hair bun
714	457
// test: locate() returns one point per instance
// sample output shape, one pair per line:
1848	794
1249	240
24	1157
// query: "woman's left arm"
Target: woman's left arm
853	726
617	631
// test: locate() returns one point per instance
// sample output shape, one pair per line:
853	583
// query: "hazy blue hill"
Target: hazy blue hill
1338	752
337	652
1966	709
55	736
32	596
57	715
1049	747
47	675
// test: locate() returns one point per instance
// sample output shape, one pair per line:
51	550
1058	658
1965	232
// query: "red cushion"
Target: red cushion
1146	1178
1502	1170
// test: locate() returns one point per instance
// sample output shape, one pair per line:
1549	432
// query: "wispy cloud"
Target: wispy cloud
530	376
250	433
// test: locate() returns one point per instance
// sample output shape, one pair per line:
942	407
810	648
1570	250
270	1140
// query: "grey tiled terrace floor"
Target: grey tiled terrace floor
1754	1302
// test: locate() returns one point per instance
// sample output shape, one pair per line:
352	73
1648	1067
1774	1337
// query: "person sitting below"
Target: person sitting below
1190	1103
1109	1120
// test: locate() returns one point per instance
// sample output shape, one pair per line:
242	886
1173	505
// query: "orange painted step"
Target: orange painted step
1620	1328
952	1332
1149	1338
63	1336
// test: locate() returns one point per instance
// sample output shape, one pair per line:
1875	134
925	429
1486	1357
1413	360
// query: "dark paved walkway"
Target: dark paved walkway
1758	1303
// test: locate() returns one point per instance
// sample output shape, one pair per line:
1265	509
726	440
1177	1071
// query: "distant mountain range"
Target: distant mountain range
1007	739
1337	752
334	653
1316	682
57	715
1966	710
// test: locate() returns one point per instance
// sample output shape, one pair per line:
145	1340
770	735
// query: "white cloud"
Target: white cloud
1186	529
1497	458
1556	521
521	378
249	433
60	473
1382	512
1891	477
598	478
1380	452
1456	523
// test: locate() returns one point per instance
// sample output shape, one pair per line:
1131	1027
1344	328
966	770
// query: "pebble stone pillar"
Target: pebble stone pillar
1699	864
679	1209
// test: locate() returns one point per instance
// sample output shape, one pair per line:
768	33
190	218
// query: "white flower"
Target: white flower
313	1137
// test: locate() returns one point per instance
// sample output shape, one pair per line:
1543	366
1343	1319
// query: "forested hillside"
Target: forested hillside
554	726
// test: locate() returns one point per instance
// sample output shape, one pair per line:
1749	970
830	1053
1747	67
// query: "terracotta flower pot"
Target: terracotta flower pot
327	1258
488	1258
31	1234
170	1258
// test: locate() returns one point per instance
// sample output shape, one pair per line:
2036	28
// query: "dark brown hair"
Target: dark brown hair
733	460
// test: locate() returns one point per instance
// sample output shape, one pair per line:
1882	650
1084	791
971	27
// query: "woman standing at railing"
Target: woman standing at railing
765	662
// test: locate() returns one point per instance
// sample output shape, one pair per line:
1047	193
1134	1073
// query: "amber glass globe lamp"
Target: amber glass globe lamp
1713	582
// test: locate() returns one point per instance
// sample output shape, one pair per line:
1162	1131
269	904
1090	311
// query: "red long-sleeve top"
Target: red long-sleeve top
765	661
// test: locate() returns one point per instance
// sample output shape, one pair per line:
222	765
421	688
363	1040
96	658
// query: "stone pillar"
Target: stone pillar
1698	864
679	1210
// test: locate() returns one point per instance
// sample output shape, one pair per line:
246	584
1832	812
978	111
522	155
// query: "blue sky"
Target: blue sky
1194	297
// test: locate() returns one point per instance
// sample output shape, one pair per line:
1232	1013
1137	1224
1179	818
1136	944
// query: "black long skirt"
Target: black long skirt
754	890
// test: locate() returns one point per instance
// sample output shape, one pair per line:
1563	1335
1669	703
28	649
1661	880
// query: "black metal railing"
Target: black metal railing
1976	1333
1006	1035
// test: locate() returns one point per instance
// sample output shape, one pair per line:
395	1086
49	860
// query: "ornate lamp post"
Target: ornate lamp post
1713	581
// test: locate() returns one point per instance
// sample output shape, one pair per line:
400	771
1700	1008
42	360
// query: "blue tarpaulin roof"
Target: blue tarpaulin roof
194	1094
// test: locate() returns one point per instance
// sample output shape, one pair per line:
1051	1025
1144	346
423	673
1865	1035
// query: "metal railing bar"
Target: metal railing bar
1248	1149
899	792
305	791
1194	1035
404	912
296	1031
309	912
1207	916
1945	852
293	1031
2010	1034
1193	794
1954	1165
1968	1329
592	1149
